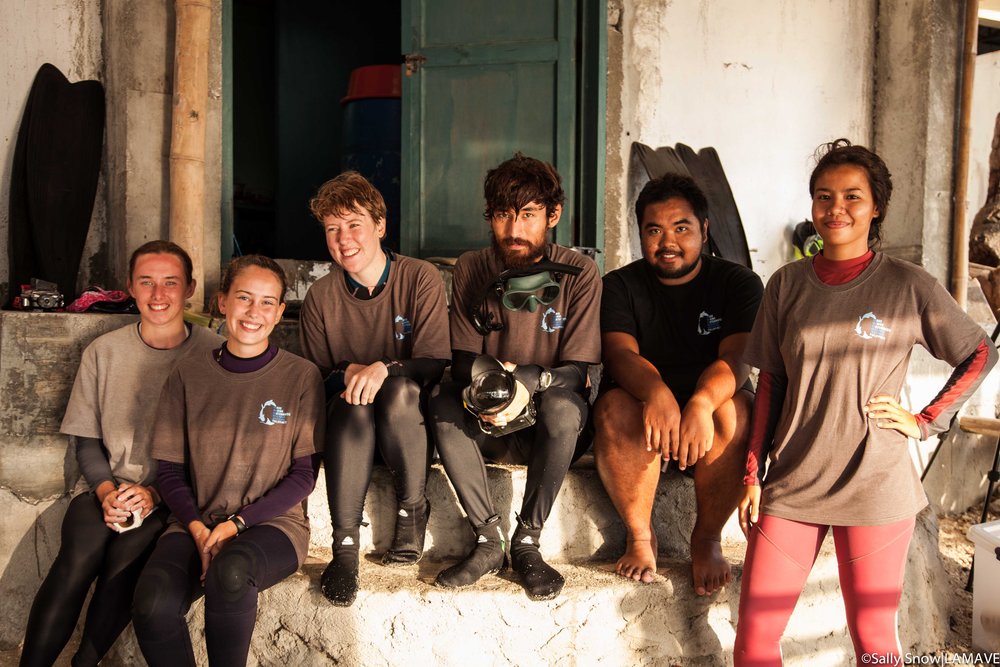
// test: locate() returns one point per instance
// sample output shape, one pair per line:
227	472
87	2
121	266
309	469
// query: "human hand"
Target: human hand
363	382
137	497
886	412
200	532
749	508
113	509
219	537
661	419
516	407
697	432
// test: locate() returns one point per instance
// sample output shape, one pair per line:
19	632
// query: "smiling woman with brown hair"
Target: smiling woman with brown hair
832	340
236	439
377	328
111	424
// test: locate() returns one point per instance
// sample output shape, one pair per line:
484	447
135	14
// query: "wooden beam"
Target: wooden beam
187	139
980	426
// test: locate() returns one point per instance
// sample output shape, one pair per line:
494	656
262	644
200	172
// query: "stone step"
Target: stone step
400	618
583	525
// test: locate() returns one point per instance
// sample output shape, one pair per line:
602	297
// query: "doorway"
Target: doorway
289	66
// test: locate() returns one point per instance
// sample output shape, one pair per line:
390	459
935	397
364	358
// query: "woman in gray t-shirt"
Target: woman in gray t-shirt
832	340
235	440
111	427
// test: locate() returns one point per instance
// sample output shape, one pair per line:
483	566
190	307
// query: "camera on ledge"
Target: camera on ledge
40	295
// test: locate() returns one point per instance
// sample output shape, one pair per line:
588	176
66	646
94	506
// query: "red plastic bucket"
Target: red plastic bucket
374	81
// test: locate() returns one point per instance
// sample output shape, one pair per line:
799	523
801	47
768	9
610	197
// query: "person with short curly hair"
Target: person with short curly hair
377	327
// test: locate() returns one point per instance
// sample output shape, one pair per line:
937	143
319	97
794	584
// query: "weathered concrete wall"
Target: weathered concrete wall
915	83
764	83
39	354
985	107
72	42
139	54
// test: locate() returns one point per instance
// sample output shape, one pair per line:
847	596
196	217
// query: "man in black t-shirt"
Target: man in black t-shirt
673	328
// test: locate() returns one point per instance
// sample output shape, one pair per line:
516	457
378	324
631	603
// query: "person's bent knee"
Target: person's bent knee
732	419
154	601
231	575
397	393
562	411
446	412
617	418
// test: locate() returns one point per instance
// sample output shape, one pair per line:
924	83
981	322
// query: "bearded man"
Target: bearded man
530	308
673	327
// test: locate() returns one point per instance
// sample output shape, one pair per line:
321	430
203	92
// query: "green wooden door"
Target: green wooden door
487	79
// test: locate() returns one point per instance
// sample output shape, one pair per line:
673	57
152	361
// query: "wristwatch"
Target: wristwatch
240	526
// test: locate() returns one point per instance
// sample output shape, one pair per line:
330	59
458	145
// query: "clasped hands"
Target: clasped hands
119	502
682	435
210	540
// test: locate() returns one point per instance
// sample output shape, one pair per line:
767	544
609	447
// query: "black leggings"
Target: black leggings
89	550
394	424
548	448
248	564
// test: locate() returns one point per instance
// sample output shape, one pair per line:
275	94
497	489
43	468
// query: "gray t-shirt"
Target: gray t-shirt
238	434
114	395
407	320
568	329
840	345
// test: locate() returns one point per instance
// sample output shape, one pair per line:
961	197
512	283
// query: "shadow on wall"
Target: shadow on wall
28	562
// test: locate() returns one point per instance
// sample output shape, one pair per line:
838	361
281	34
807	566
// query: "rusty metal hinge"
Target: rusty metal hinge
413	63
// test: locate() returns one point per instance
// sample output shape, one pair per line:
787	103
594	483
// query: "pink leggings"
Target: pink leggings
781	553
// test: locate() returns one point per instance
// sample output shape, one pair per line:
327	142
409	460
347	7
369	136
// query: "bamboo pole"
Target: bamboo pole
960	227
187	140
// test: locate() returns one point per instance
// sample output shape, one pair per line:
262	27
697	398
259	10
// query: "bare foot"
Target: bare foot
639	560
709	569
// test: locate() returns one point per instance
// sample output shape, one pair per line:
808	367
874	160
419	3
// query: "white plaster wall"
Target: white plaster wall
985	107
763	82
72	42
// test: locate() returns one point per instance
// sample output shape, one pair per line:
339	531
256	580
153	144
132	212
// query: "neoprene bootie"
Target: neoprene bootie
540	580
487	557
339	582
408	542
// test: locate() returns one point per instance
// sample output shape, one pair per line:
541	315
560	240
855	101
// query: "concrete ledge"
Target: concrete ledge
600	619
583	526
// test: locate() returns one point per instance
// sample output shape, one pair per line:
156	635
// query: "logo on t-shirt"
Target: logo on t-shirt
271	413
552	320
401	327
708	323
869	327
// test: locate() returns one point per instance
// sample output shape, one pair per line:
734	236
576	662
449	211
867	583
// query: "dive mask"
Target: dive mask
520	289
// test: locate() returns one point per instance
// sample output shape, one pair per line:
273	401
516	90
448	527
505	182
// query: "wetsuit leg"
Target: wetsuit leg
168	585
256	560
110	608
779	557
402	437
872	560
562	415
459	441
60	598
348	460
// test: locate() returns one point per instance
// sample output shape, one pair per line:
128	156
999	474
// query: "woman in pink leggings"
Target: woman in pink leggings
832	340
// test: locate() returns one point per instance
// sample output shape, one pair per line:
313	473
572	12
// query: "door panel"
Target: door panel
508	86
